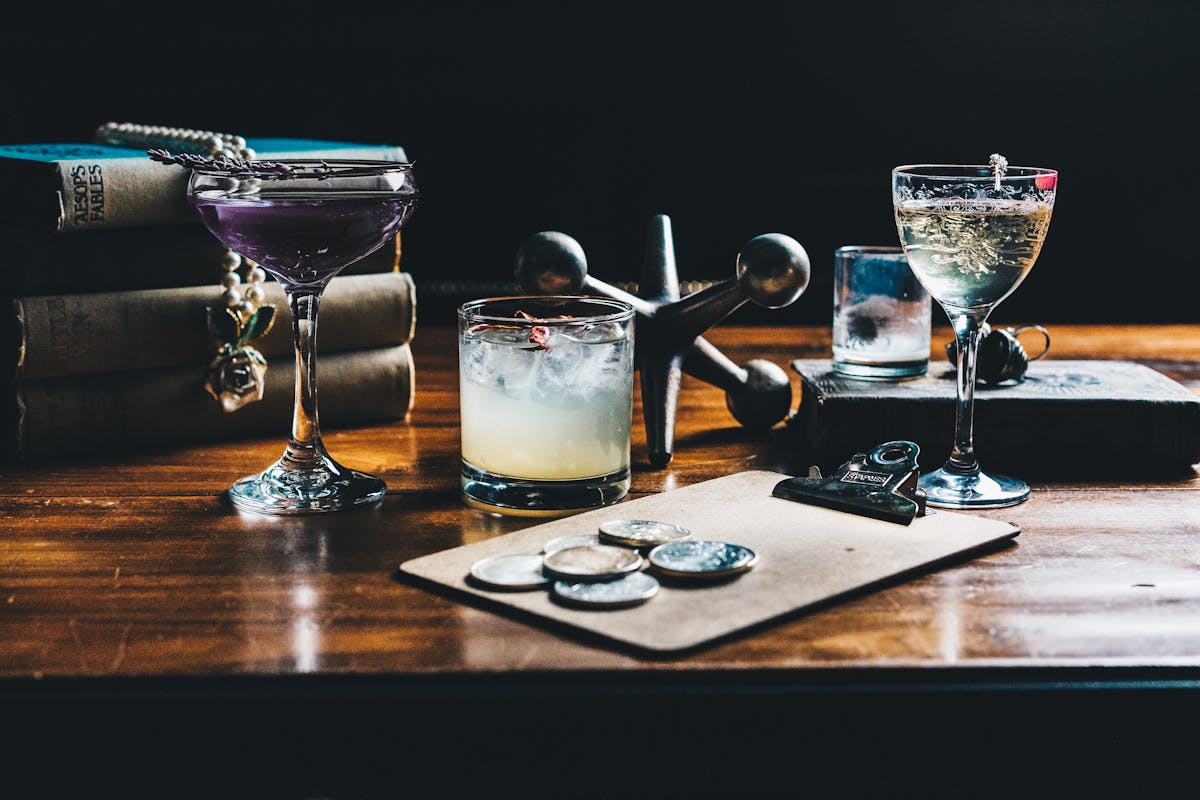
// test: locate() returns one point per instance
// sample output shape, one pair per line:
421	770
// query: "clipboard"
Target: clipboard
809	557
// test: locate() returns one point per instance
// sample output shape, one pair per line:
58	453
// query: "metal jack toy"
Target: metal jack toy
772	270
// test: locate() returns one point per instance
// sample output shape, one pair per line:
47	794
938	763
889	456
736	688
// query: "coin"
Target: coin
635	588
702	559
599	562
510	571
575	540
641	532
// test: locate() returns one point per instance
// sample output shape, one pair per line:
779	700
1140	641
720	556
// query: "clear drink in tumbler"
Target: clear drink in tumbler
881	315
546	386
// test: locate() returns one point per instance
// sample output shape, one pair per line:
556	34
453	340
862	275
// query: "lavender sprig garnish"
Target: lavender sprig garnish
238	168
224	163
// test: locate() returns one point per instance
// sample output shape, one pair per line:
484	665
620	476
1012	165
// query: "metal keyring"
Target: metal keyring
899	452
1045	333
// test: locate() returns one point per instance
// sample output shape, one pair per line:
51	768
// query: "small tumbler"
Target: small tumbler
881	315
547	395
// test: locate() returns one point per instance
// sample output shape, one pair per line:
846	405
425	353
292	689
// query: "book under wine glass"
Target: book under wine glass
126	370
1066	417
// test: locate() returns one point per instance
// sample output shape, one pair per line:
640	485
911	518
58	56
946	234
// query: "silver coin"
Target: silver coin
576	540
631	590
702	559
642	532
599	562
510	571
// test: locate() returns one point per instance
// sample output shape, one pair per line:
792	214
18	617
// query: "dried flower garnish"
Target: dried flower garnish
238	168
540	334
530	317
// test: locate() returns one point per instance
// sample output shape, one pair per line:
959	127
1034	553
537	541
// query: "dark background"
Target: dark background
733	118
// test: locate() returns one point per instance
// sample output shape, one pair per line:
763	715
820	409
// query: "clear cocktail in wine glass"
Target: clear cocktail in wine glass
971	234
303	222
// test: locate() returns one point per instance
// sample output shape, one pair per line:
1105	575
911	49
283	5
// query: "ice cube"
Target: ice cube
502	358
557	379
573	375
867	321
596	332
503	335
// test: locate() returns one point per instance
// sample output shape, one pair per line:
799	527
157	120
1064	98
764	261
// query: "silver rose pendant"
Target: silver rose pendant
236	376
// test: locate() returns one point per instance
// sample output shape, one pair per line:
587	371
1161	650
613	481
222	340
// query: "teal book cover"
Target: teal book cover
59	151
68	187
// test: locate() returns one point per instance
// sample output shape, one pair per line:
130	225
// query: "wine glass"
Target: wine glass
971	235
303	222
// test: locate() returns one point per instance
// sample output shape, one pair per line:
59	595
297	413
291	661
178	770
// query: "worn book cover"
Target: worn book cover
1066	417
70	187
56	336
127	258
131	411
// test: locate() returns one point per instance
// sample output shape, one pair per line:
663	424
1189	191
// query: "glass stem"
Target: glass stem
967	333
305	448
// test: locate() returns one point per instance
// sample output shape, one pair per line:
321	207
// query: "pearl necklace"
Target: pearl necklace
228	380
129	134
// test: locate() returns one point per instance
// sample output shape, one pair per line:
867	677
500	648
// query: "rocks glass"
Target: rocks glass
547	400
881	315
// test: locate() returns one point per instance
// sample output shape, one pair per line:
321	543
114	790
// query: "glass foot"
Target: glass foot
885	371
953	490
327	486
532	498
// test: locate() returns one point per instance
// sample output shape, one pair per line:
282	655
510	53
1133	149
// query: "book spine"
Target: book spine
125	259
154	408
89	334
119	191
112	192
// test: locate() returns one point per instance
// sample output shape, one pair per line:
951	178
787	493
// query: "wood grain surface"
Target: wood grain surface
140	566
134	580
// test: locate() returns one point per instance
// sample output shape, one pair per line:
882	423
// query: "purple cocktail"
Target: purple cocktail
303	240
304	222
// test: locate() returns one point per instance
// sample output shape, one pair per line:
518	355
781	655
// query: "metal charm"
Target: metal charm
236	375
1001	355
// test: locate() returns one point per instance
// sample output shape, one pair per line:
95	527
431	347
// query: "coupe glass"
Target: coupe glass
303	222
971	235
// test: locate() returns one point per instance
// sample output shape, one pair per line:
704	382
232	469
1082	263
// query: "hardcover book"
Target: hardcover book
122	258
57	336
129	411
66	188
125	370
1065	417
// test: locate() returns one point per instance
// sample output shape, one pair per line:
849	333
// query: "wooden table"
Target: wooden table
151	636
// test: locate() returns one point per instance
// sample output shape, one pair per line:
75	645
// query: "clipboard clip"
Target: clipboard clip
881	484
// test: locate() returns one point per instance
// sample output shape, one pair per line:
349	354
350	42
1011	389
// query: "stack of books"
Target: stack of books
106	280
